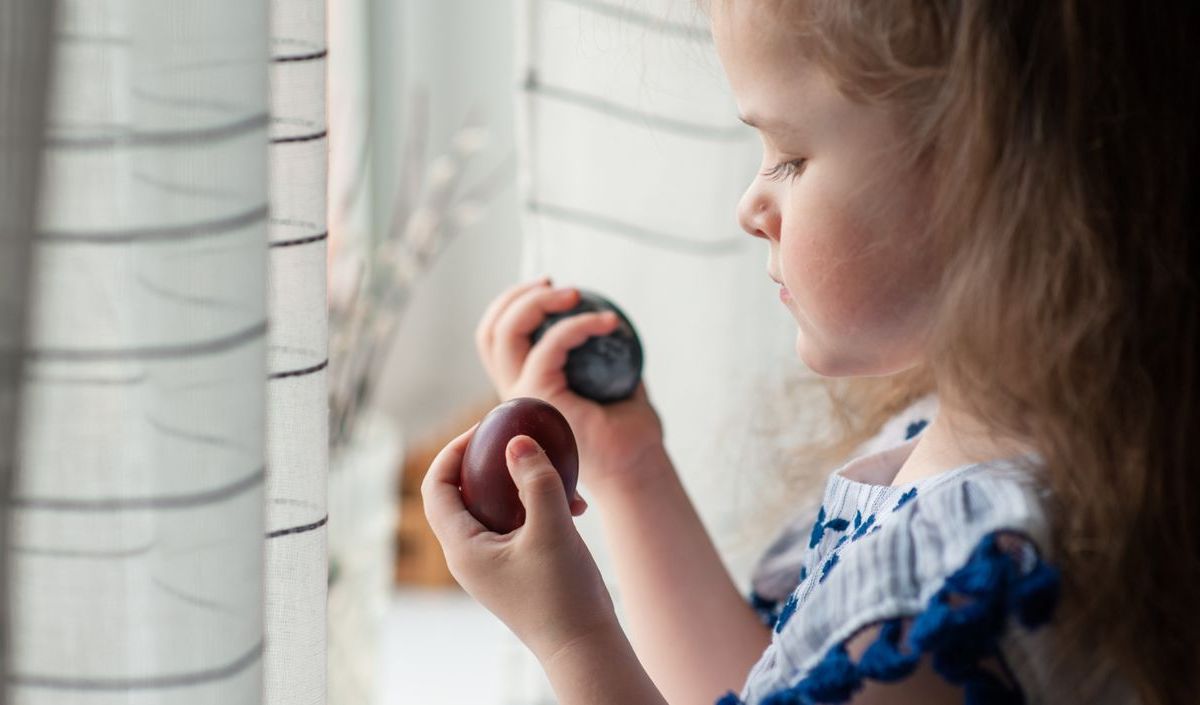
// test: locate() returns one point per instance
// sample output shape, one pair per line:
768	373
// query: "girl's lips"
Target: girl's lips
784	294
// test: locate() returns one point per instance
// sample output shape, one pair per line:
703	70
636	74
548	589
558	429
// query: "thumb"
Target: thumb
540	487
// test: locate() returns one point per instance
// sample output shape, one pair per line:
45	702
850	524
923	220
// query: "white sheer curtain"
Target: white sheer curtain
169	471
297	400
24	66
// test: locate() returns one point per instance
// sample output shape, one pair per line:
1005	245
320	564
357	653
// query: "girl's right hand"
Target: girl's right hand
614	439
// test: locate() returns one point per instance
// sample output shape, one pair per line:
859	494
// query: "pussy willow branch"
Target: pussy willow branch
383	324
425	216
391	309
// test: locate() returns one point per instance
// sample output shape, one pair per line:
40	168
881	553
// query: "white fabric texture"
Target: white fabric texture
294	669
893	568
150	397
25	51
891	548
776	572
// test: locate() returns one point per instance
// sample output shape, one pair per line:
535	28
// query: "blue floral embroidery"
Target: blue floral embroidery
904	499
789	608
832	680
840	541
883	660
829	564
862	530
818	529
770	612
959	627
821	525
764	607
781	698
914	428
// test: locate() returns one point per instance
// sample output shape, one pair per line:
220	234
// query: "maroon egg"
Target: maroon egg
486	485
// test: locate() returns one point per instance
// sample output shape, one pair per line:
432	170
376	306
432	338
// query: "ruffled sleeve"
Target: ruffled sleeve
780	569
963	565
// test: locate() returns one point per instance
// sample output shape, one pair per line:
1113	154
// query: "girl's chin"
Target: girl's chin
827	362
831	363
815	360
822	360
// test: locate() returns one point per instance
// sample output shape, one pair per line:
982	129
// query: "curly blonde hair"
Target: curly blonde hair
1061	137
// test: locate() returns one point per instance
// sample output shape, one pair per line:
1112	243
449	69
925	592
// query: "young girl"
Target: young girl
983	214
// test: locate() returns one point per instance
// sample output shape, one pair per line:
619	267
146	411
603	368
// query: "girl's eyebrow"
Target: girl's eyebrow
773	126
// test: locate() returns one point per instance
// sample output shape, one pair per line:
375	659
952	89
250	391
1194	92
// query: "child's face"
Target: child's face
843	228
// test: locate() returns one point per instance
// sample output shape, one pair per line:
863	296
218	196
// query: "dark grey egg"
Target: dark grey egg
605	368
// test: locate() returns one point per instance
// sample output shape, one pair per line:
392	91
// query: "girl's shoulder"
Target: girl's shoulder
962	560
784	562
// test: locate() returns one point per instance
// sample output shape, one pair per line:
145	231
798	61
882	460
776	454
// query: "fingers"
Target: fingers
444	509
510	342
639	392
539	485
484	332
578	505
549	356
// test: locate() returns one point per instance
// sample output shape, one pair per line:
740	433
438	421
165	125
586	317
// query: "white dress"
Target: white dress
962	554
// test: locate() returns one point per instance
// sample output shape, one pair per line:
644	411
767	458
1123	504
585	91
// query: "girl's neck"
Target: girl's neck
951	440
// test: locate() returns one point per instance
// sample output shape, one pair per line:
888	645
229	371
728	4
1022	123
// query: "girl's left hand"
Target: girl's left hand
539	579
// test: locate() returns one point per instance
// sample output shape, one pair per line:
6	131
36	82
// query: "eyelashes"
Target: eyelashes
784	170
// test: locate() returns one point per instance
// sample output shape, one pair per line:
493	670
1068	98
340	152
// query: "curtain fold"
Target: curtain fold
25	52
297	398
136	554
171	407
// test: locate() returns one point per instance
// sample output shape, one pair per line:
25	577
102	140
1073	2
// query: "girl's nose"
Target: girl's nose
757	213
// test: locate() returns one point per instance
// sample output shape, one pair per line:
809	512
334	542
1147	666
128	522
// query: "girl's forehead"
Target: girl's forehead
757	30
783	14
763	60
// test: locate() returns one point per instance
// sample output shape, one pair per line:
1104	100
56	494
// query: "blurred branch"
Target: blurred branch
372	285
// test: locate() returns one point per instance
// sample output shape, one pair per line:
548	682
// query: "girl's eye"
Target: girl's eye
784	170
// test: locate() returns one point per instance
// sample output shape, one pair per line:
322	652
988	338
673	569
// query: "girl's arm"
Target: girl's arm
693	631
600	669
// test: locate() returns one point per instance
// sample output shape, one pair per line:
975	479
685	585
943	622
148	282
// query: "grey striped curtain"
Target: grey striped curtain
166	425
24	67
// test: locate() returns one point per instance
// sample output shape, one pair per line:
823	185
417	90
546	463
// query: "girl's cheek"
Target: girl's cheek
838	265
823	247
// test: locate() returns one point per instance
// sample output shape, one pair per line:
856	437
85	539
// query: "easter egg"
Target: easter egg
486	485
605	368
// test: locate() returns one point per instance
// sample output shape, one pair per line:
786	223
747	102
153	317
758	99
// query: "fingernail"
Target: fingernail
523	447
